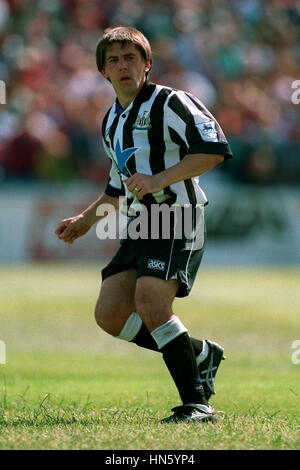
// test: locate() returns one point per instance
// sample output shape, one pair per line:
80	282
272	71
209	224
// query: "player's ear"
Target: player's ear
147	66
103	73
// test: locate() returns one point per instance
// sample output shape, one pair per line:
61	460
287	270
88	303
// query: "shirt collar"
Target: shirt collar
118	108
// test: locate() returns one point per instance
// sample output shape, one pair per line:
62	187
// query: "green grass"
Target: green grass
67	385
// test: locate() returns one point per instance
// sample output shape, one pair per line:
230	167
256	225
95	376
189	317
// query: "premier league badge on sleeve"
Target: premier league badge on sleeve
208	131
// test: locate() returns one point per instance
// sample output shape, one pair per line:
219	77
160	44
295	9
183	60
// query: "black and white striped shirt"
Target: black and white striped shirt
155	132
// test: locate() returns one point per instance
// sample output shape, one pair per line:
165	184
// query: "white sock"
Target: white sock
164	333
131	327
204	353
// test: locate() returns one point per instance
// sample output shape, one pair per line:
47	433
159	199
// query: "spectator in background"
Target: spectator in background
21	155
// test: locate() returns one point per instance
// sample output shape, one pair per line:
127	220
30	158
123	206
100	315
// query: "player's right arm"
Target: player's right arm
74	227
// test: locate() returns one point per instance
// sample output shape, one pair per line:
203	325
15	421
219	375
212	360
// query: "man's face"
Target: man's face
126	68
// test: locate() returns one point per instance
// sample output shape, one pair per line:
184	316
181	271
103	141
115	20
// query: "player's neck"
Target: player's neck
126	98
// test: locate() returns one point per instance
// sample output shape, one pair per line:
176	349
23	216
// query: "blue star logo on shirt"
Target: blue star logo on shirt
123	157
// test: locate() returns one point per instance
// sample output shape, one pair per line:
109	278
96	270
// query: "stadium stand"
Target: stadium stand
240	58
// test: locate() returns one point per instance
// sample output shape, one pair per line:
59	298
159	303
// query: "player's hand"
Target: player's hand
70	229
140	184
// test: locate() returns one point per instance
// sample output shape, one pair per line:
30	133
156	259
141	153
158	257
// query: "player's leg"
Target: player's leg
116	315
116	303
153	299
180	259
208	353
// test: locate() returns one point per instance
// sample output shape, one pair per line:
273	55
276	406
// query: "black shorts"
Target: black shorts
172	258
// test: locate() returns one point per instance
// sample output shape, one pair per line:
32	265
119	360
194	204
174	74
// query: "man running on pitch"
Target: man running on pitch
159	140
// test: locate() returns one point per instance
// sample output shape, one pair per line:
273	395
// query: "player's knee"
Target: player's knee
152	310
104	319
148	296
144	302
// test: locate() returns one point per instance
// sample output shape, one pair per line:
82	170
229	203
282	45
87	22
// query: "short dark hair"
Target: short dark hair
123	35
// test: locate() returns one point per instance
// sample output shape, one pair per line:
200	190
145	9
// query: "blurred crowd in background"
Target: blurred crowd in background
239	57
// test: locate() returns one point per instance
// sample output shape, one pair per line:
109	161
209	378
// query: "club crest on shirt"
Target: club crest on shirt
143	121
207	131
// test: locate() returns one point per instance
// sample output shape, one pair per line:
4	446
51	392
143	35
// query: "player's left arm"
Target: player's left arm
189	167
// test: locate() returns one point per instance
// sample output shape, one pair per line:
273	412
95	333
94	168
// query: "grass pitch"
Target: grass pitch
67	385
